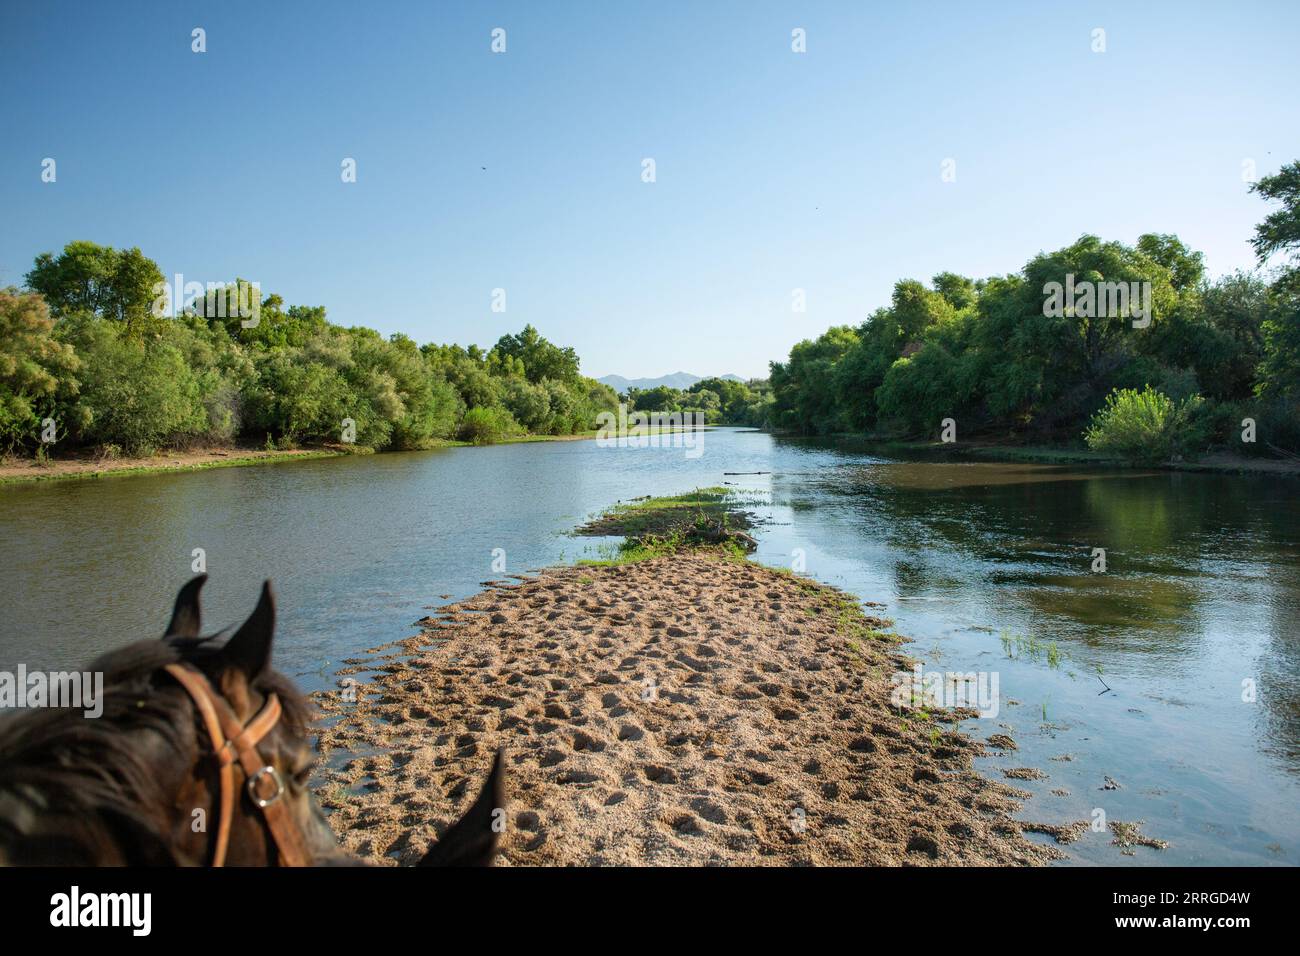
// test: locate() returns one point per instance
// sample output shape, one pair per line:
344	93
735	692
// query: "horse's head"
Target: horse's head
201	755
253	755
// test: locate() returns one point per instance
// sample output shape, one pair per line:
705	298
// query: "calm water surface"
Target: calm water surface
1201	592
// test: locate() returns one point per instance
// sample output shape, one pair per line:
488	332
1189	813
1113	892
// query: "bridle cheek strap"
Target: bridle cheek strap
232	742
200	691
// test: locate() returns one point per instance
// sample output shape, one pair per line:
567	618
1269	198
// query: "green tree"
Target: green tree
805	399
133	396
1280	230
37	372
1186	268
1279	375
483	426
661	398
959	291
540	358
111	283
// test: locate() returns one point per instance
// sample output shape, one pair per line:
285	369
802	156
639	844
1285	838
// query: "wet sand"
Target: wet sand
687	710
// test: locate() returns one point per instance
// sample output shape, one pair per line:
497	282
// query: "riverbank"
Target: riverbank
682	708
29	469
1217	462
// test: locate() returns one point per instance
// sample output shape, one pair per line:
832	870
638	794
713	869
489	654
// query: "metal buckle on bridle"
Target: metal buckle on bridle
274	774
234	745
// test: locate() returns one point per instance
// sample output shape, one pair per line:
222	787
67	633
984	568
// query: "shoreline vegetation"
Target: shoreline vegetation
974	451
96	363
16	470
675	703
1130	350
99	377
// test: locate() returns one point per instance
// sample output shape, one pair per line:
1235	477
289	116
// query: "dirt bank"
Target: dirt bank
689	709
28	469
15	469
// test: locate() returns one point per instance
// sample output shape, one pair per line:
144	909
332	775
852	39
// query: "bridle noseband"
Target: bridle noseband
232	741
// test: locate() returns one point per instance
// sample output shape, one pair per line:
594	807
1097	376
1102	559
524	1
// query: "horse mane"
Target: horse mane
75	789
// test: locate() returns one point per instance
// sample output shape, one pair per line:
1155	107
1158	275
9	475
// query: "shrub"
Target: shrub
1146	425
36	371
137	396
920	391
482	426
527	403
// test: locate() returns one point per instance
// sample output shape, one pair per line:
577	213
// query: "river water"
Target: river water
1175	672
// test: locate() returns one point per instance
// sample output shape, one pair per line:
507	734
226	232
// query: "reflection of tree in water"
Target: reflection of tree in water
921	527
1196	562
1030	532
1139	518
1145	613
917	578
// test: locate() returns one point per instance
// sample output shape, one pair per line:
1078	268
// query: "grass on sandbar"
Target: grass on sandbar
664	515
654	527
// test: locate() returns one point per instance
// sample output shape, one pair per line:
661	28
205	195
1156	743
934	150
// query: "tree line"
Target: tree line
85	348
1004	358
716	401
1180	368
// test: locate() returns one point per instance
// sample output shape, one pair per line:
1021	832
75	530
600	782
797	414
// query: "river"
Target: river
1175	672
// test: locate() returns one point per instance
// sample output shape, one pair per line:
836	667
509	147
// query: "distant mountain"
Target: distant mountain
681	380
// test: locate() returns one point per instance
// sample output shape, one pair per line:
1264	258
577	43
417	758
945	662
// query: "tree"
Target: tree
661	398
1145	426
920	391
113	284
1186	268
1279	375
1218	335
731	397
541	359
1054	366
111	372
1280	230
37	372
959	291
529	404
135	398
915	308
803	385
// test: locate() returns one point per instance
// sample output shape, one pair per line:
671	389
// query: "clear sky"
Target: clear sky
775	170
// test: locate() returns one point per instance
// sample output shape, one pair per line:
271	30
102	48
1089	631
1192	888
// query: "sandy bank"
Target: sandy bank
691	709
19	469
28	469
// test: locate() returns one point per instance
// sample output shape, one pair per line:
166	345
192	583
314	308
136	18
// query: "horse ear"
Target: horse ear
250	649
185	615
472	840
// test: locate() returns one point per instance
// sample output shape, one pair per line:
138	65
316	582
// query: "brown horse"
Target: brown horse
190	733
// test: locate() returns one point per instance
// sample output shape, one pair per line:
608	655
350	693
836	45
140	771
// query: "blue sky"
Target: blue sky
775	170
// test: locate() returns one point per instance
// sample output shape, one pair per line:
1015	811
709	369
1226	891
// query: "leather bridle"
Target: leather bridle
233	742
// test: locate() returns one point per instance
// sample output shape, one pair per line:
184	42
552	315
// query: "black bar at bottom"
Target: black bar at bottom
328	906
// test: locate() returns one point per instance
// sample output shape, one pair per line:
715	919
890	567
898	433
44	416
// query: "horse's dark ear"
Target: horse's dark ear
185	615
250	649
472	840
